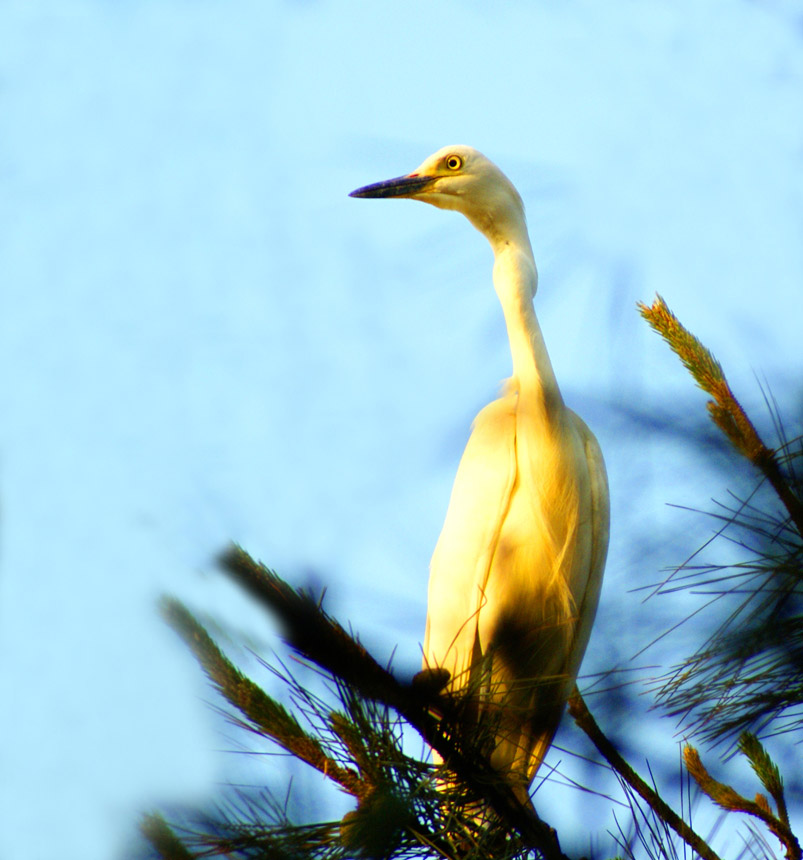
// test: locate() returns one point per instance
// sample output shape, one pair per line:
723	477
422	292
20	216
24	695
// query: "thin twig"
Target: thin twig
730	799
582	716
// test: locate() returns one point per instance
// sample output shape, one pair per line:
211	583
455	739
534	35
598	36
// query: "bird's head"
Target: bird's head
459	177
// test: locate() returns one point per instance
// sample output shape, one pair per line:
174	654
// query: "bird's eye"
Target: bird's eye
454	162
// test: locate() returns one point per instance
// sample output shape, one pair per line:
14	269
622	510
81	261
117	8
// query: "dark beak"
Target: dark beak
402	186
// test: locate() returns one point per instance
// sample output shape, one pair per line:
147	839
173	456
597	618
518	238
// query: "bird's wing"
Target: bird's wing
526	742
462	559
586	593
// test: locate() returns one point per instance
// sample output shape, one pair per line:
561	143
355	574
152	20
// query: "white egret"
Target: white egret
516	574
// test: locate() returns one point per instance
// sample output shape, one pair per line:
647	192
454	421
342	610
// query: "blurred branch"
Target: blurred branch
319	638
472	812
263	712
161	837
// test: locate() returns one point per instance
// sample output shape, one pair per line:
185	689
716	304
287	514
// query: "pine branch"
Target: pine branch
728	798
319	638
584	719
159	833
725	409
381	814
263	712
766	770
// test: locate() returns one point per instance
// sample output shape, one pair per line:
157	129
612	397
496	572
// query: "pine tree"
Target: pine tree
746	680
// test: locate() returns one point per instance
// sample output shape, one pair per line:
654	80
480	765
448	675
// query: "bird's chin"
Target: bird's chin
440	199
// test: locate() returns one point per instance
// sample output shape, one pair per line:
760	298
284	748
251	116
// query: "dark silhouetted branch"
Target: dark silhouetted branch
582	716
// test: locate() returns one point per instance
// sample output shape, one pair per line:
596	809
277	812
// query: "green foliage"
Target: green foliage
749	673
264	714
353	733
725	410
376	828
164	840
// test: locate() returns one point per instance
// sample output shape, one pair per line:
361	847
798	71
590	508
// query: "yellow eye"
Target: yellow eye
454	162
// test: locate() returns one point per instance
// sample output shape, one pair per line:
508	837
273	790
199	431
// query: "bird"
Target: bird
516	573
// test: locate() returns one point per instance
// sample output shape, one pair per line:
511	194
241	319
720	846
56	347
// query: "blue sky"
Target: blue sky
205	339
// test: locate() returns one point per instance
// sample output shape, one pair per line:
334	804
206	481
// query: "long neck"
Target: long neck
516	279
